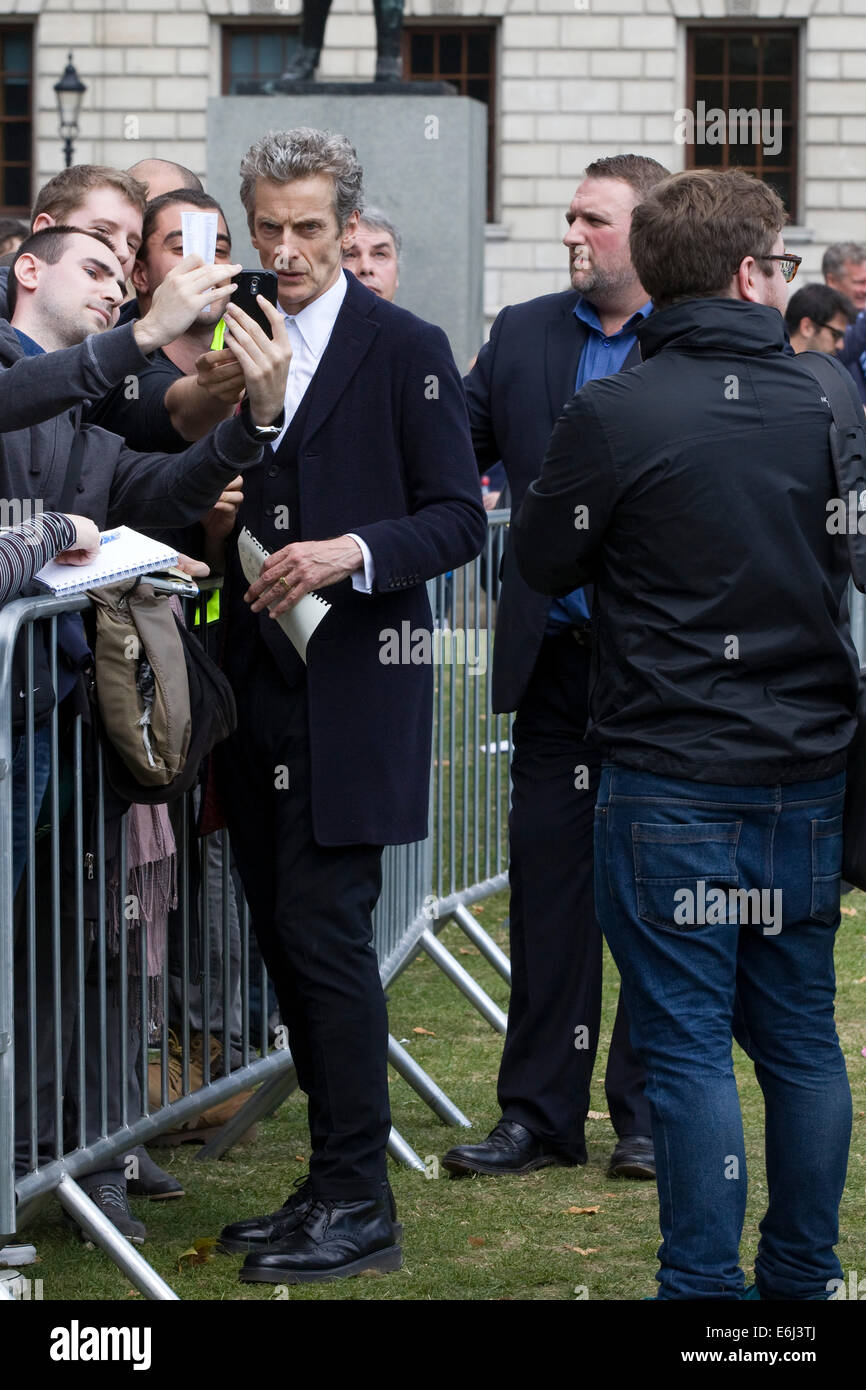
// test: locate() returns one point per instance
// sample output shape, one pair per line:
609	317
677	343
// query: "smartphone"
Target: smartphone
249	284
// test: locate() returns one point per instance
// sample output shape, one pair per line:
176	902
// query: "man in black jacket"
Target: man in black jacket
695	492
539	353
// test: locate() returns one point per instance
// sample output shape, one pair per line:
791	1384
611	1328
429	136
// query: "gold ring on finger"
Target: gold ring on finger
284	581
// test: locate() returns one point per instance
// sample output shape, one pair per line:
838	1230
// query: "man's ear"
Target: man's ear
806	329
350	229
139	278
44	220
26	271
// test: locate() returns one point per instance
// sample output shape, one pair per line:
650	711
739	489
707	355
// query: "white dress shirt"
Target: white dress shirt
309	334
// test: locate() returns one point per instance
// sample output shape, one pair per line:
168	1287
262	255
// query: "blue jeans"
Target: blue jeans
22	819
701	962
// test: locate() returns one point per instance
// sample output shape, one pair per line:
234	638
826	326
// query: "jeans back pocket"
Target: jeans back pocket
683	872
826	869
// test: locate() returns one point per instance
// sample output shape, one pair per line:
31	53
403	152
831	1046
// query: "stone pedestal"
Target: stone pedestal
424	157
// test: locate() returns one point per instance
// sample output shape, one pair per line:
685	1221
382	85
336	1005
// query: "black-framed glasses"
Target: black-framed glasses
789	264
838	333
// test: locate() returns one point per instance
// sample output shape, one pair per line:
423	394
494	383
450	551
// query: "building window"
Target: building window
16	114
466	57
255	56
742	92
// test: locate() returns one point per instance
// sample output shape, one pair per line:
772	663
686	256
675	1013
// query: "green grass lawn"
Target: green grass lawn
482	1238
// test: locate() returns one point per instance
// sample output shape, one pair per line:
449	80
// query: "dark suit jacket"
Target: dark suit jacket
523	378
385	452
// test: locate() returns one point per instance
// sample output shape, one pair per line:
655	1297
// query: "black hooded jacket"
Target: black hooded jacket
693	491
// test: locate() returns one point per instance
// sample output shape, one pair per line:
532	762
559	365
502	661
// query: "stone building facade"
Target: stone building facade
566	80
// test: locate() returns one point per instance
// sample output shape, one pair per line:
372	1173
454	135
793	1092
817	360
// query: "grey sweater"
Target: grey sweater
39	409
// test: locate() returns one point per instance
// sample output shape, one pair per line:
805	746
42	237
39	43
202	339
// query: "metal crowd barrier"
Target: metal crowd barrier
118	1004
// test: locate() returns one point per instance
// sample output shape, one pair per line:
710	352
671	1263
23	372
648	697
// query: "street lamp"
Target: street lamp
70	90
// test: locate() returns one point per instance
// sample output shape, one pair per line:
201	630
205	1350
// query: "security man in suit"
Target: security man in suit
369	488
538	355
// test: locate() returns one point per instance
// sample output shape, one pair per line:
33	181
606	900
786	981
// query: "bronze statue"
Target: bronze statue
389	30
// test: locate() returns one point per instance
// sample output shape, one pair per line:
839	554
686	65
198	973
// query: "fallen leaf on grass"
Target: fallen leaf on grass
198	1254
598	1114
477	1240
579	1250
478	911
848	911
301	1158
469	951
583	1211
427	1032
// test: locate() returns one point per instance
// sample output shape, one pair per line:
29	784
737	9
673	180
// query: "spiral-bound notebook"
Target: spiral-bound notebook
301	621
122	553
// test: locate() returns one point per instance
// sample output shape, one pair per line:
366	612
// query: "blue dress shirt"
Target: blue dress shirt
601	356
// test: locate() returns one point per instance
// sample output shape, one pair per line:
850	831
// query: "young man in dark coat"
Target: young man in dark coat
695	492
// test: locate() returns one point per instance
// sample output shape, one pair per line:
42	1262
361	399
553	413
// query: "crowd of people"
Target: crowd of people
671	634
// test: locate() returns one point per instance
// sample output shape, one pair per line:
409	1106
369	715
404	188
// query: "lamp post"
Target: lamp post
70	91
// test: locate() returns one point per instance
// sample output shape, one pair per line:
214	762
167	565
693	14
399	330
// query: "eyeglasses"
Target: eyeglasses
788	264
838	333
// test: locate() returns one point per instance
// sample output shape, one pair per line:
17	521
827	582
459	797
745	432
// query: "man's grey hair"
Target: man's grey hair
837	256
378	221
283	155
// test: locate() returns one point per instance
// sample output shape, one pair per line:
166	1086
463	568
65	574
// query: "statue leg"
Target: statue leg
305	60
389	33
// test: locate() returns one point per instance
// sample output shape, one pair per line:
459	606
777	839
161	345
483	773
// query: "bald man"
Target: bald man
164	176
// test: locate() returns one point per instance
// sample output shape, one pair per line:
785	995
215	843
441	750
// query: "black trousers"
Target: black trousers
556	944
312	908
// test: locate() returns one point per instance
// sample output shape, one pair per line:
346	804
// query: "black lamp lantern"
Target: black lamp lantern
70	91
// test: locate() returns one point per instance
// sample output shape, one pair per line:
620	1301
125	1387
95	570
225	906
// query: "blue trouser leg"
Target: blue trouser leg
665	848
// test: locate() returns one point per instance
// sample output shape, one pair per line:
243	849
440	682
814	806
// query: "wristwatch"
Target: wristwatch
262	432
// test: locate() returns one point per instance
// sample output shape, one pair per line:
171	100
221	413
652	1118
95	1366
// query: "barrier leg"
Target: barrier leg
265	1101
485	943
403	1153
426	1087
116	1246
463	980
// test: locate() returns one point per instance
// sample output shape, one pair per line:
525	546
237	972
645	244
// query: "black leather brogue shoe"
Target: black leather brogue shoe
633	1157
509	1148
260	1232
334	1241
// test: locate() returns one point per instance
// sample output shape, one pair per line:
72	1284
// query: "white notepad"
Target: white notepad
122	553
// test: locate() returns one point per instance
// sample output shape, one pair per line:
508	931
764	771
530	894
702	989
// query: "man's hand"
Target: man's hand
491	501
86	546
197	569
187	289
221	375
305	565
220	520
263	360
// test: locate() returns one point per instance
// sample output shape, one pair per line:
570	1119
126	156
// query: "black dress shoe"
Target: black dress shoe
633	1157
260	1232
509	1148
334	1241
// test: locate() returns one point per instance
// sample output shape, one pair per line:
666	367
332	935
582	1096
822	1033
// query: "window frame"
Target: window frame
249	24
9	25
738	29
